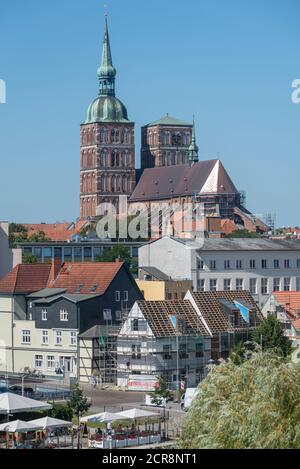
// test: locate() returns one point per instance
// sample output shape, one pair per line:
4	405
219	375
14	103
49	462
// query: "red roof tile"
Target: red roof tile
290	300
26	278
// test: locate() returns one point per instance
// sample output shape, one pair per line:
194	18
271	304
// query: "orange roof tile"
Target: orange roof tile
290	300
25	278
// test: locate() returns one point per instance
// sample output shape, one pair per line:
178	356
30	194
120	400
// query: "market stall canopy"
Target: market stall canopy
133	414
49	423
19	426
103	417
13	403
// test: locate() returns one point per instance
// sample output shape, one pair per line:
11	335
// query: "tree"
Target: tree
161	391
119	252
61	411
270	334
29	259
243	234
253	405
79	405
39	237
238	354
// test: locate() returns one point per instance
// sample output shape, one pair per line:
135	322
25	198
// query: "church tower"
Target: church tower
107	149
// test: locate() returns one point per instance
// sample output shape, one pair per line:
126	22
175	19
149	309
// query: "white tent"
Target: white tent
134	414
105	417
13	403
49	423
18	426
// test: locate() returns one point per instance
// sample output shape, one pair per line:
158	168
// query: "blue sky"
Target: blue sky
229	62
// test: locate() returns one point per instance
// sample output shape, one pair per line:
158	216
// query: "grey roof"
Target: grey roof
169	120
154	272
100	331
75	298
242	244
47	292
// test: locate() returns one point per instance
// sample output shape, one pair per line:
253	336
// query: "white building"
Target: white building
9	258
258	265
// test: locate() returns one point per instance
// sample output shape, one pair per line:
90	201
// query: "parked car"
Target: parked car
188	397
17	389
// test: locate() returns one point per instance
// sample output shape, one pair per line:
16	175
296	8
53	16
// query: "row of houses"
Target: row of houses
91	319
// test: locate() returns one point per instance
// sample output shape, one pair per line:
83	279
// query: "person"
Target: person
99	431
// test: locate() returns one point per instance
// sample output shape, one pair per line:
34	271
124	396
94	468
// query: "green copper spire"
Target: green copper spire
193	148
106	71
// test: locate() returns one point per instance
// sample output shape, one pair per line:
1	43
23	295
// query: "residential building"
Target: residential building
157	286
178	338
258	265
9	258
43	307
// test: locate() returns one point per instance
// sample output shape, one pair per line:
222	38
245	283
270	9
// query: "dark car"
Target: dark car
16	389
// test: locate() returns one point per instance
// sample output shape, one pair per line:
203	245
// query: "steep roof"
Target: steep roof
213	306
165	182
26	278
158	315
87	276
156	273
169	120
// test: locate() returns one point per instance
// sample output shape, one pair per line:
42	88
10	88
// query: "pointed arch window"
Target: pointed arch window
124	183
125	158
103	135
113	183
125	138
118	186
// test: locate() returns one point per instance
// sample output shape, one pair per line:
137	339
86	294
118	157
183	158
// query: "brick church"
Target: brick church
170	167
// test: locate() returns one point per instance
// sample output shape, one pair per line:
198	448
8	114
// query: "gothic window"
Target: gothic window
118	183
117	159
166	138
125	136
125	159
124	184
165	158
173	161
113	183
176	140
103	135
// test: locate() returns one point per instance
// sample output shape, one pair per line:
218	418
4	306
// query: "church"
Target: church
170	168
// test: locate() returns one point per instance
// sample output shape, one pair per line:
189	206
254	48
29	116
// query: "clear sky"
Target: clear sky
229	62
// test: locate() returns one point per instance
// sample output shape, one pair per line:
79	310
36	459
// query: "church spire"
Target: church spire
106	71
193	148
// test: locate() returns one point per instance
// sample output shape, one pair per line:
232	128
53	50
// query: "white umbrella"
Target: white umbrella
103	417
13	403
49	423
134	414
19	426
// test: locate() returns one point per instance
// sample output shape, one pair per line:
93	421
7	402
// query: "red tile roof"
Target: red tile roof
56	231
88	275
26	278
93	277
290	300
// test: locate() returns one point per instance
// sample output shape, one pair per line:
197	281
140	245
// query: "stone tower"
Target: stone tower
107	149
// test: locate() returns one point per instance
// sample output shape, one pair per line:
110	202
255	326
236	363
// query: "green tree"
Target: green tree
79	405
243	234
29	259
238	354
270	334
161	391
61	411
119	252
39	237
253	405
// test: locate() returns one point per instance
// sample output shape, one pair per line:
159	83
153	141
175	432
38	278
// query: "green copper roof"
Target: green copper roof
106	109
106	68
169	120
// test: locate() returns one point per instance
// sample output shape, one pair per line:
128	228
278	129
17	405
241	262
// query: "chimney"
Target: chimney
55	268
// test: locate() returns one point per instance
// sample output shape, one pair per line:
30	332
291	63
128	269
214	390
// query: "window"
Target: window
297	283
107	314
253	286
135	325
239	284
45	338
276	264
298	263
63	315
238	264
201	284
286	263
227	284
264	286
200	264
125	295
136	352
276	284
213	284
118	296
26	337
252	263
30	304
50	362
118	315
264	264
38	361
169	296
227	265
73	338
199	350
213	265
44	315
58	337
287	284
